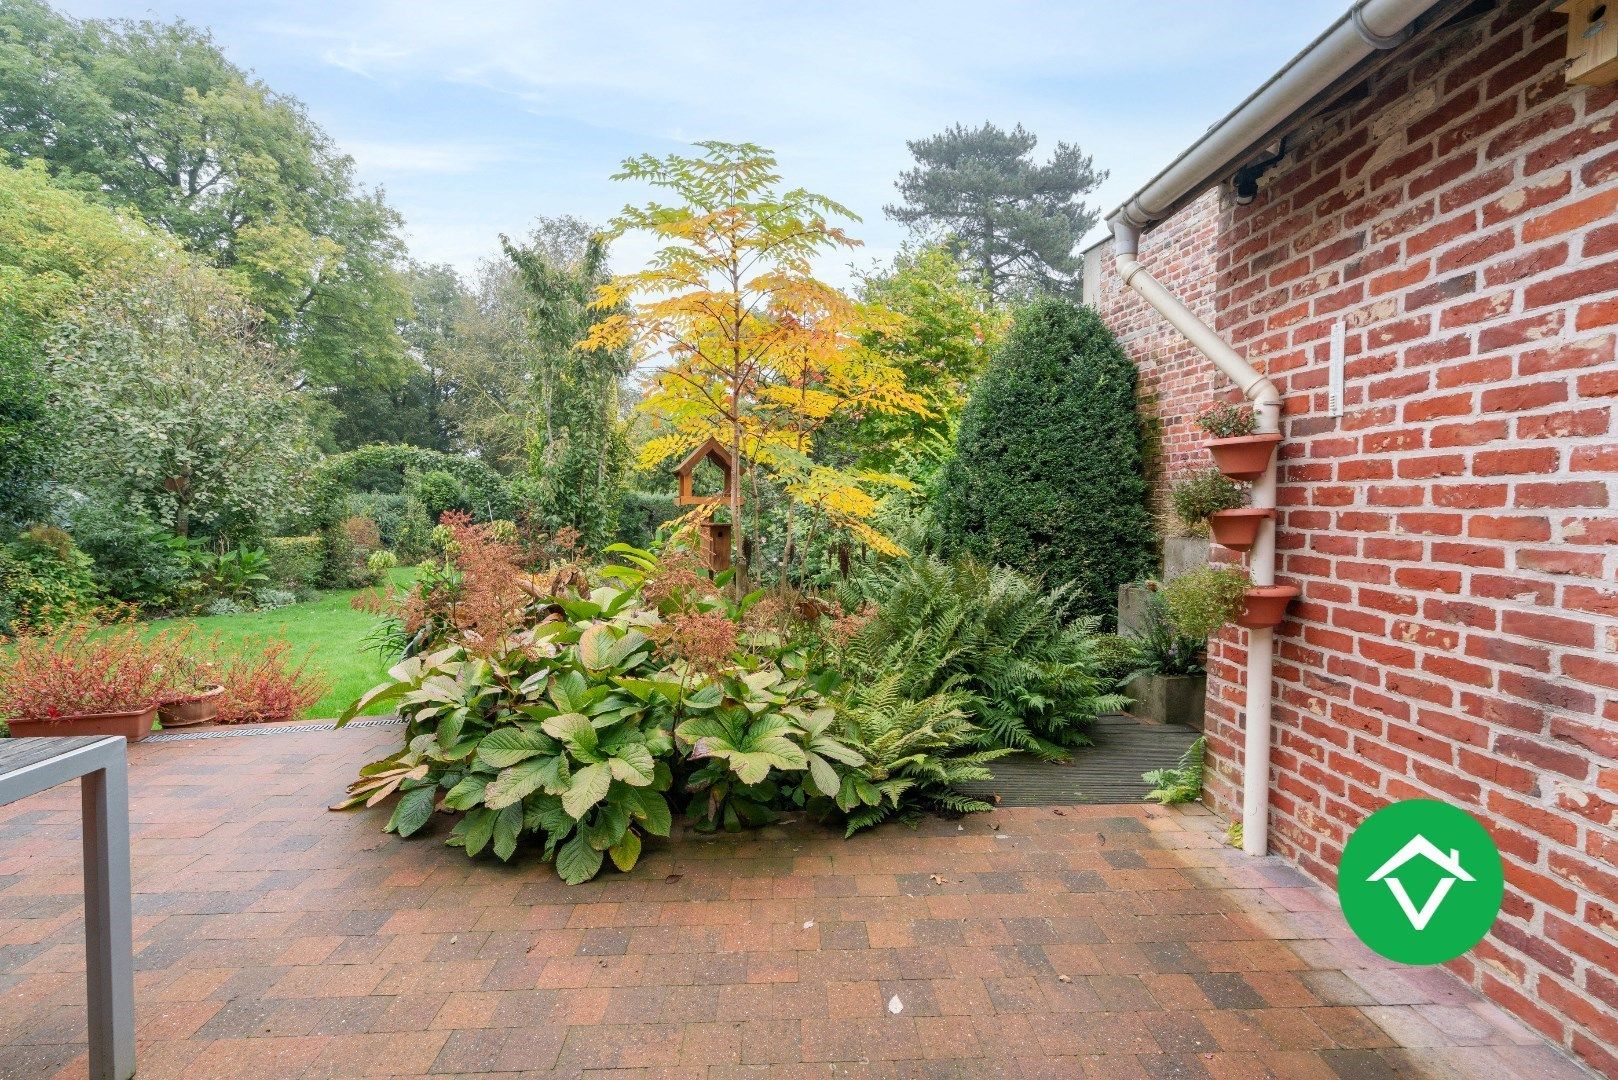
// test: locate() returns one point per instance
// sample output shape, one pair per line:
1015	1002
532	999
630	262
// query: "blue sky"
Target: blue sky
478	115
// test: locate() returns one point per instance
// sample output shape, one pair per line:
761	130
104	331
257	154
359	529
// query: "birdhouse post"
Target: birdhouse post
716	535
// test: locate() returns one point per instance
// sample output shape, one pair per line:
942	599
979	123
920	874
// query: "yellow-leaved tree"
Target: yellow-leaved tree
749	347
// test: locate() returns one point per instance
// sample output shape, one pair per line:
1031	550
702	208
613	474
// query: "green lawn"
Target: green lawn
326	629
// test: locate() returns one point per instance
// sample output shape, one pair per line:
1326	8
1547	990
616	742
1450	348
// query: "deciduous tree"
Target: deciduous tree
753	349
173	401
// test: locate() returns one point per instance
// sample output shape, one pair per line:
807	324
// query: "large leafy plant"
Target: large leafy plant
1031	679
585	726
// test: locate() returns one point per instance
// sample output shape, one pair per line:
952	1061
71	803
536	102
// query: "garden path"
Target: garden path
276	939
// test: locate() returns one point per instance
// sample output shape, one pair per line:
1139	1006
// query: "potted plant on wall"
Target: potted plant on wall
1167	681
1237	448
80	679
1209	501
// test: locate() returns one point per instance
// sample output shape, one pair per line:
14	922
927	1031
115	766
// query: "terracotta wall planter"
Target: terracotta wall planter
1245	457
1238	529
1265	606
195	709
133	726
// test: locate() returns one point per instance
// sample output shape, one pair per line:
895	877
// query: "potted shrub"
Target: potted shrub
1238	450
1167	680
1199	602
80	679
1209	501
190	690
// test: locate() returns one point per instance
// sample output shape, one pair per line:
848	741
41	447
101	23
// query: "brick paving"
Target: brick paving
273	938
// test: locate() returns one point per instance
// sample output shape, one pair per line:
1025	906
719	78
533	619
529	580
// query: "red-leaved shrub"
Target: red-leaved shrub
265	685
79	668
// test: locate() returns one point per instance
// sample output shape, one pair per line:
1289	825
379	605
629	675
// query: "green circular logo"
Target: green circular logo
1420	881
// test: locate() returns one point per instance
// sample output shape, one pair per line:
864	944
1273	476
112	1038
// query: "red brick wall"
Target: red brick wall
1454	531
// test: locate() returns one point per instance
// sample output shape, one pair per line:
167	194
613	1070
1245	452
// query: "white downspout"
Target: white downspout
1266	400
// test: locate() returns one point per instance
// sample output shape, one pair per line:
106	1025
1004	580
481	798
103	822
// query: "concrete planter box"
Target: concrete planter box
1169	699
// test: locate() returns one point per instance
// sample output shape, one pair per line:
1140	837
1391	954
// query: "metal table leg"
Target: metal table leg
108	944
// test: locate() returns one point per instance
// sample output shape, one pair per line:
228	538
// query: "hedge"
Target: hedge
1047	475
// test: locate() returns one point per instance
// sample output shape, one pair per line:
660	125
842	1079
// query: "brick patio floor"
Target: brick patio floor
274	939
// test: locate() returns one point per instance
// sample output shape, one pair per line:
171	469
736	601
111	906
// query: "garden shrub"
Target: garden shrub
401	520
1200	494
44	580
586	710
1200	601
1160	646
1031	674
642	513
296	563
79	667
137	561
1048	473
263	684
439	492
387	468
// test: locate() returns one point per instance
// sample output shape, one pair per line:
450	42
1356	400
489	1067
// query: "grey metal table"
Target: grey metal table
99	762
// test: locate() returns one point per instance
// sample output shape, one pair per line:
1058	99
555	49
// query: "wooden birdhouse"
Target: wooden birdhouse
716	535
1592	41
710	450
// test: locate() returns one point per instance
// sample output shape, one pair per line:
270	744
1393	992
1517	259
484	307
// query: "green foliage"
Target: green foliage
402	521
1228	420
44	580
578	455
946	327
580	729
137	561
438	492
1200	601
1199	495
1047	476
642	513
1031	677
55	245
1014	221
1162	648
1181	784
917	753
153	117
295	562
234	574
176	404
1117	658
389	470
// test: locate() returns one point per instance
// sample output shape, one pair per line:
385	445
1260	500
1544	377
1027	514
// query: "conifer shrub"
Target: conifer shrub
1048	475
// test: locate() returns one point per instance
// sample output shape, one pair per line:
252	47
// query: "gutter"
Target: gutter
1368	27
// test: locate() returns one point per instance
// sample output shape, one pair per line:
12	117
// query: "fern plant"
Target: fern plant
1181	784
916	754
1029	678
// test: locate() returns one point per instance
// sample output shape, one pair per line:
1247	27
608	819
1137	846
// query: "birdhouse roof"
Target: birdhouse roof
710	447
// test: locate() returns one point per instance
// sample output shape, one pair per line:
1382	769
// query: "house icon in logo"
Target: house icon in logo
1450	864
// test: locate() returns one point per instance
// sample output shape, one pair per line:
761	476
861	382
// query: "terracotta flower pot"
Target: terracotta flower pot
1264	606
1238	529
191	709
134	726
1245	457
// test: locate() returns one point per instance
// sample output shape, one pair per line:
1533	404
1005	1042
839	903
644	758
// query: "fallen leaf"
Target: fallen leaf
895	1006
672	878
937	879
1063	978
1059	812
995	799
